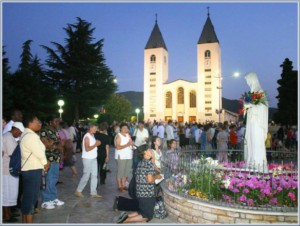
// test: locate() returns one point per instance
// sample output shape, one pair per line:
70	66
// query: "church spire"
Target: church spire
208	34
156	39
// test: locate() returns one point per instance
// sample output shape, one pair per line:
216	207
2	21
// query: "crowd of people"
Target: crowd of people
140	148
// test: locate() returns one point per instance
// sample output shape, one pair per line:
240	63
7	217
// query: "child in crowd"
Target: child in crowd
171	158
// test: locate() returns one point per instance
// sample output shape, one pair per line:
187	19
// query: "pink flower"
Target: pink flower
250	202
279	189
246	191
292	196
243	198
273	201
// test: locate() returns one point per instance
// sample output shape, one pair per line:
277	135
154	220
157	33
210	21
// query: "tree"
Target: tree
118	108
78	70
287	95
31	93
7	91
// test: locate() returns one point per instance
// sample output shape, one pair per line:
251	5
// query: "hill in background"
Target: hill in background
137	98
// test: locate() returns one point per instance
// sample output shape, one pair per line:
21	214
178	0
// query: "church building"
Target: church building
182	100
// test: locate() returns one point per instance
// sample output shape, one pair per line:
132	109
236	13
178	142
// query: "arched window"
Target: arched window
192	99
180	95
153	59
169	100
207	54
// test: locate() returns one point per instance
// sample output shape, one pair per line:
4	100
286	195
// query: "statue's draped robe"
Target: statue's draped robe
256	128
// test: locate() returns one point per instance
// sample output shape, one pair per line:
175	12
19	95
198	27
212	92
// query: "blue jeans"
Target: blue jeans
31	190
52	175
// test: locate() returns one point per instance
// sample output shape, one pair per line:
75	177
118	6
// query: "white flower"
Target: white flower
226	183
184	179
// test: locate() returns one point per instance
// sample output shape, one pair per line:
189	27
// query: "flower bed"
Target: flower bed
232	184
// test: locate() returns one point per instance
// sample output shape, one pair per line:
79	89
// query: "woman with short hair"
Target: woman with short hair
123	156
34	161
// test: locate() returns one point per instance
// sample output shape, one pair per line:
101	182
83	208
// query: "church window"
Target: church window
207	89
207	83
152	73
207	70
153	59
165	59
208	102
208	109
152	85
180	95
169	100
152	79
209	114
207	54
192	99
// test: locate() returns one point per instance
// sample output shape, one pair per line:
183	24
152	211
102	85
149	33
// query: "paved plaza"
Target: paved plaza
86	210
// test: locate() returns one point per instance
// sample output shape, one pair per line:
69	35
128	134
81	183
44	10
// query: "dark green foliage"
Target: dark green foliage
6	88
118	108
79	71
30	92
287	95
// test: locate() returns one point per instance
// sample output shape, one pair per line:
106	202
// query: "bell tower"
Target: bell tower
209	72
156	63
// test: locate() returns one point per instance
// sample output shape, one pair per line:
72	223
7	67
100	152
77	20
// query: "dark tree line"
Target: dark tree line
287	113
75	72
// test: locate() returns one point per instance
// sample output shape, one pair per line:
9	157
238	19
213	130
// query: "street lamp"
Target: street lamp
137	114
219	111
96	116
60	104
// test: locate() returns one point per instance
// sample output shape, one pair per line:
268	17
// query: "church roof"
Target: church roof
156	39
208	34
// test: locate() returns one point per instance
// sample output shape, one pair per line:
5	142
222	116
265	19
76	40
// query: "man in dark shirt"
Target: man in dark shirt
103	151
50	138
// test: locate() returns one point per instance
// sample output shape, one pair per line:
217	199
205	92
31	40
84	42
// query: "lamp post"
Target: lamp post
137	114
60	104
219	111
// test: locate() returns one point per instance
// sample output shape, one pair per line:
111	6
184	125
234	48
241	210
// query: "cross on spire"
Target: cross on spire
156	18
207	11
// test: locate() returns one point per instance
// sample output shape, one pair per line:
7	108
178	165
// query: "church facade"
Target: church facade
182	100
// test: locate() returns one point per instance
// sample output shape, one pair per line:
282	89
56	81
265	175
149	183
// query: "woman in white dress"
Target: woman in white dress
256	127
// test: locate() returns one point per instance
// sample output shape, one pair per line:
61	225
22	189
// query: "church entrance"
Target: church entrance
180	119
192	119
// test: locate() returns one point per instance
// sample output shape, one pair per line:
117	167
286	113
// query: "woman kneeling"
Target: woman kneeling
145	177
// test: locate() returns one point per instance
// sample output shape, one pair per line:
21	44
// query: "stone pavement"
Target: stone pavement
86	210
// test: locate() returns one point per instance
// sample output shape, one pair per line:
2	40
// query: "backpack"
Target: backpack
15	161
160	211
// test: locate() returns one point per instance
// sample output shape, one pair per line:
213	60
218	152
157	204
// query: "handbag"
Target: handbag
160	211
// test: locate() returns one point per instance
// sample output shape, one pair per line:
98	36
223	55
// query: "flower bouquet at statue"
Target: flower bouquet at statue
255	98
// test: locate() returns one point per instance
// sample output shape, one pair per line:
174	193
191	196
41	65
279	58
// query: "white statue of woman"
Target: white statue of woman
256	127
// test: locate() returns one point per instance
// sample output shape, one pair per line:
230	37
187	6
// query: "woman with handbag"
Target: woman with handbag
33	161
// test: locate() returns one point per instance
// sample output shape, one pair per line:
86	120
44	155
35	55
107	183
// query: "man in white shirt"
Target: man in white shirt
161	133
141	137
198	133
170	130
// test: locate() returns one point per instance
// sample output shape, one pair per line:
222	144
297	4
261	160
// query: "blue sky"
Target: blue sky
253	36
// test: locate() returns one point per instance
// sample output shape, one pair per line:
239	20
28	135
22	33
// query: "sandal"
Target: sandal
120	189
